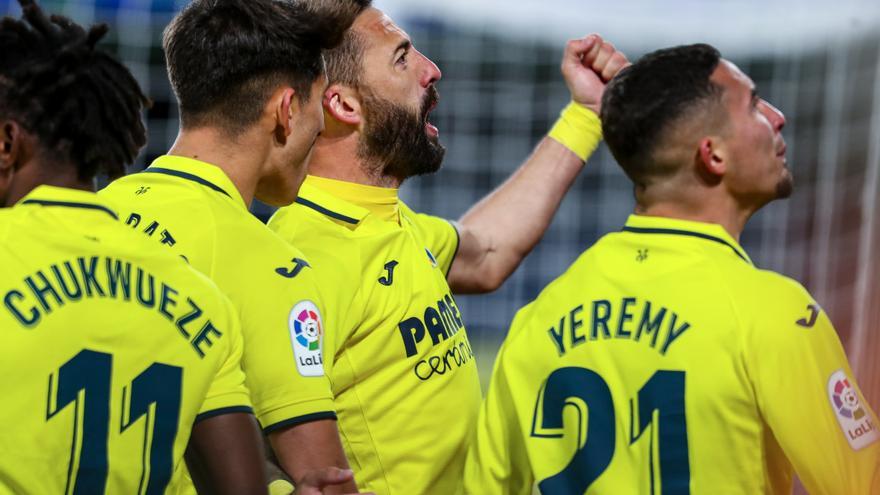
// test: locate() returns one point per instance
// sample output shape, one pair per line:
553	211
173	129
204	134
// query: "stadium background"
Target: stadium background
818	61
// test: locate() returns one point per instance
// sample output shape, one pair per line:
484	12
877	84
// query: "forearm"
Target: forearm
500	230
309	447
497	233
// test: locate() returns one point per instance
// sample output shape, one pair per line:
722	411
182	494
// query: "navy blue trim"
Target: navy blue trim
641	230
299	420
457	245
187	176
325	211
223	410
71	204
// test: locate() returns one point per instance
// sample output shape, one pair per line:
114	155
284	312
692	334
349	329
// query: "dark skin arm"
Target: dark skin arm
299	446
225	456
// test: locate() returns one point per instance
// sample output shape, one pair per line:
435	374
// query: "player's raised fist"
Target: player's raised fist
587	65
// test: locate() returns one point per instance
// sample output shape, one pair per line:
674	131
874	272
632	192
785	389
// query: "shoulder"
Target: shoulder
764	288
330	242
424	220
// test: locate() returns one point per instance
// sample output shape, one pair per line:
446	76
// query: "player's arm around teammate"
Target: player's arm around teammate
499	231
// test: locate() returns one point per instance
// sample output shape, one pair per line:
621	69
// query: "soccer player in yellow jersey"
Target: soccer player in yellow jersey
400	364
249	76
663	361
114	357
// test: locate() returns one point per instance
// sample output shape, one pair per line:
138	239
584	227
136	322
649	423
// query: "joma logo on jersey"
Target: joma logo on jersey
440	323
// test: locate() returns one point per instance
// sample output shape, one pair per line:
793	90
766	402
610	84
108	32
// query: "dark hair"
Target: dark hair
82	105
646	99
226	56
345	62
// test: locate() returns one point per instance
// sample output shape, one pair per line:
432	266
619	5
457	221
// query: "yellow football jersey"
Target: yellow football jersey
194	210
664	362
110	351
400	364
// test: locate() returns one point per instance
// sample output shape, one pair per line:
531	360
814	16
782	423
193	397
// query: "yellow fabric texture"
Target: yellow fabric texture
192	208
106	362
663	361
578	129
400	364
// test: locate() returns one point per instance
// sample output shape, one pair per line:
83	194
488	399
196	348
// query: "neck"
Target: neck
702	206
38	174
241	158
335	156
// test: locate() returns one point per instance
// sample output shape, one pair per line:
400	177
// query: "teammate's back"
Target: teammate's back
110	352
663	361
675	353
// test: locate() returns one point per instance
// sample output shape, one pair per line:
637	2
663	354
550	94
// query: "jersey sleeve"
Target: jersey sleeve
807	393
497	461
227	392
284	354
440	235
274	289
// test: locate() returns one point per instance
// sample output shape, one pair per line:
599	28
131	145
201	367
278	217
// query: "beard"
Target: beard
395	142
785	186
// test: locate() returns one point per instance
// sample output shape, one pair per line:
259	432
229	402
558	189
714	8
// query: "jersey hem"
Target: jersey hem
306	418
221	411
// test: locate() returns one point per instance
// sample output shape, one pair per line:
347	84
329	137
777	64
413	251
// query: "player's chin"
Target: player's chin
785	185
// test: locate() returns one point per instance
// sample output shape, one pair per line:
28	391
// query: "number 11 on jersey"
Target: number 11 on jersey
588	393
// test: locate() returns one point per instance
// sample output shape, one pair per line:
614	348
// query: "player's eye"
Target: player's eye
401	60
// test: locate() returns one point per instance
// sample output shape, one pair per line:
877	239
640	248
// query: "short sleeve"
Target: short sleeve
807	393
440	235
283	326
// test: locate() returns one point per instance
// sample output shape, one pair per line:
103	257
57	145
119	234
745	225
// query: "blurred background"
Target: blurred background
817	61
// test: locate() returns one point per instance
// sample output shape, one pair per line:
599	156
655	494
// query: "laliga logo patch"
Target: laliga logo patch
305	333
853	418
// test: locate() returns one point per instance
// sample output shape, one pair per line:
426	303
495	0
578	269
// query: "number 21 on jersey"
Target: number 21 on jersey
587	392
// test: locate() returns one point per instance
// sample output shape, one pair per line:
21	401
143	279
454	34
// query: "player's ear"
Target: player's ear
283	106
12	138
342	103
712	158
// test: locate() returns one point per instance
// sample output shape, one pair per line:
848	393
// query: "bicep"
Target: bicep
476	268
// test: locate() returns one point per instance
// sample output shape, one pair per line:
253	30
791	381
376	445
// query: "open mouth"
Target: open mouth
432	130
430	103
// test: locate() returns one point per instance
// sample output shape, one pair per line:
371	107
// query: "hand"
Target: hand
314	482
587	66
